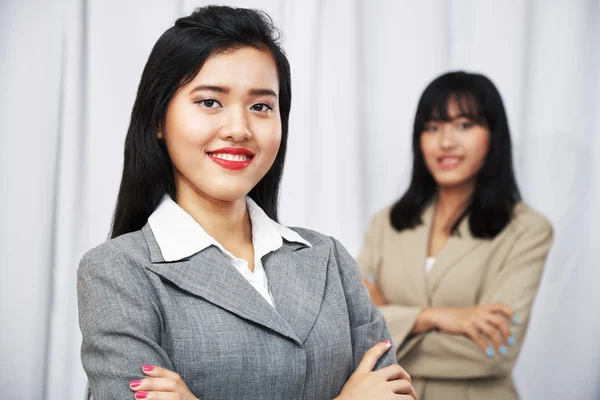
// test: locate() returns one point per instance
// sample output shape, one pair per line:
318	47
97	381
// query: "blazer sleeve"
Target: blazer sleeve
120	323
367	325
400	319
443	356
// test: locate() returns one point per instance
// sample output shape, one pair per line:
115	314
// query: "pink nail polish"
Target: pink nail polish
386	342
141	395
135	383
147	367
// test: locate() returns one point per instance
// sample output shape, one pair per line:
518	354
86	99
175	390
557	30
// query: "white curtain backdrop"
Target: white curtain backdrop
69	70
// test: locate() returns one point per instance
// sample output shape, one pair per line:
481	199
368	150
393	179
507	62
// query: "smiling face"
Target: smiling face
454	150
223	128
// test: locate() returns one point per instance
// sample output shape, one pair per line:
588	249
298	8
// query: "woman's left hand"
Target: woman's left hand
162	384
376	295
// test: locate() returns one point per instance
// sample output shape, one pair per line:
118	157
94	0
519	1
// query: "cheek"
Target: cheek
274	143
182	149
269	140
478	148
428	147
185	132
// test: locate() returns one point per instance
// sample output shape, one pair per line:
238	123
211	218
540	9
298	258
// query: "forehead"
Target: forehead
243	68
453	106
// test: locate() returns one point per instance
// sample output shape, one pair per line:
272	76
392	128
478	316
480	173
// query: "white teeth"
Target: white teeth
450	160
230	157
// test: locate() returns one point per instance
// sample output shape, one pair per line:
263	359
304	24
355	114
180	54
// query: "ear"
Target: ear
159	134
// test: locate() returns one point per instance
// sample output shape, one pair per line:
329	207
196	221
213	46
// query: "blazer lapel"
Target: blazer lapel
415	248
458	247
209	274
297	276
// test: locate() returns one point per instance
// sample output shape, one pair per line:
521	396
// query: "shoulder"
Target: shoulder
315	238
527	230
319	240
115	275
527	220
338	254
117	254
380	222
382	216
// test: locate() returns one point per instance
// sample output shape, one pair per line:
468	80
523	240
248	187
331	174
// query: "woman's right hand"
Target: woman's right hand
391	382
490	320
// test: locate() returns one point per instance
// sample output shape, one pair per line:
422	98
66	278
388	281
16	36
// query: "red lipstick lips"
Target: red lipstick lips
232	158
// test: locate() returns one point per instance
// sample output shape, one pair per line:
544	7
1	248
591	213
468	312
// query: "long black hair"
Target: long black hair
175	60
496	193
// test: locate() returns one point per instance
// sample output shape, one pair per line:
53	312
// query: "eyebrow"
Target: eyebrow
210	88
468	116
262	92
459	116
224	90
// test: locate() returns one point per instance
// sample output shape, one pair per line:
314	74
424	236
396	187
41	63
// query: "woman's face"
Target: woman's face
455	150
223	128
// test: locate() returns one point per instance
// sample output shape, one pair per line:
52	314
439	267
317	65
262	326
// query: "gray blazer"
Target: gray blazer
202	319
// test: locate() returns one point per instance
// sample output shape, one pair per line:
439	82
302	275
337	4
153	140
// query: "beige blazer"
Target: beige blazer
468	271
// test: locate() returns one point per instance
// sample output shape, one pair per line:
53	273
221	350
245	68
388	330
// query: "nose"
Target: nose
447	137
236	128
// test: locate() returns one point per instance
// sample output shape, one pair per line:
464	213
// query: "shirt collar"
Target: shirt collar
179	236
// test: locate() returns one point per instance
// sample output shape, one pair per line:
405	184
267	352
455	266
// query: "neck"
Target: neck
452	201
225	221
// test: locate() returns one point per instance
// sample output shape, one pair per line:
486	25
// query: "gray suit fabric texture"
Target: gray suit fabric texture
202	319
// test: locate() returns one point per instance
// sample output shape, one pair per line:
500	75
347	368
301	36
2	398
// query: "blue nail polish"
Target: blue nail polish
515	319
503	350
490	352
511	341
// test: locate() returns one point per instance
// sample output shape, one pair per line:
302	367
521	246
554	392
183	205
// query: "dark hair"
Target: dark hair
496	192
175	60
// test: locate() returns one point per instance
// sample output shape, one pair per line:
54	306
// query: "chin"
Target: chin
228	193
448	182
228	196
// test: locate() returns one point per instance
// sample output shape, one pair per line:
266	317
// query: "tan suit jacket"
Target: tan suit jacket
468	271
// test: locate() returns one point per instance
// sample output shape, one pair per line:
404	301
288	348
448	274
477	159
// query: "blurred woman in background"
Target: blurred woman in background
454	265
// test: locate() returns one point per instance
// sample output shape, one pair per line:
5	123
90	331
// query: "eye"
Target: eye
261	107
430	128
465	125
209	103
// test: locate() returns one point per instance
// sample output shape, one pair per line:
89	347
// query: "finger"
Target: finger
500	324
474	335
158	372
490	331
393	372
372	286
404	389
501	309
153	384
367	363
401	386
157	395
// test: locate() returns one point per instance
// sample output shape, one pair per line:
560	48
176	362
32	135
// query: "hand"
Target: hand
162	385
386	383
490	320
376	295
